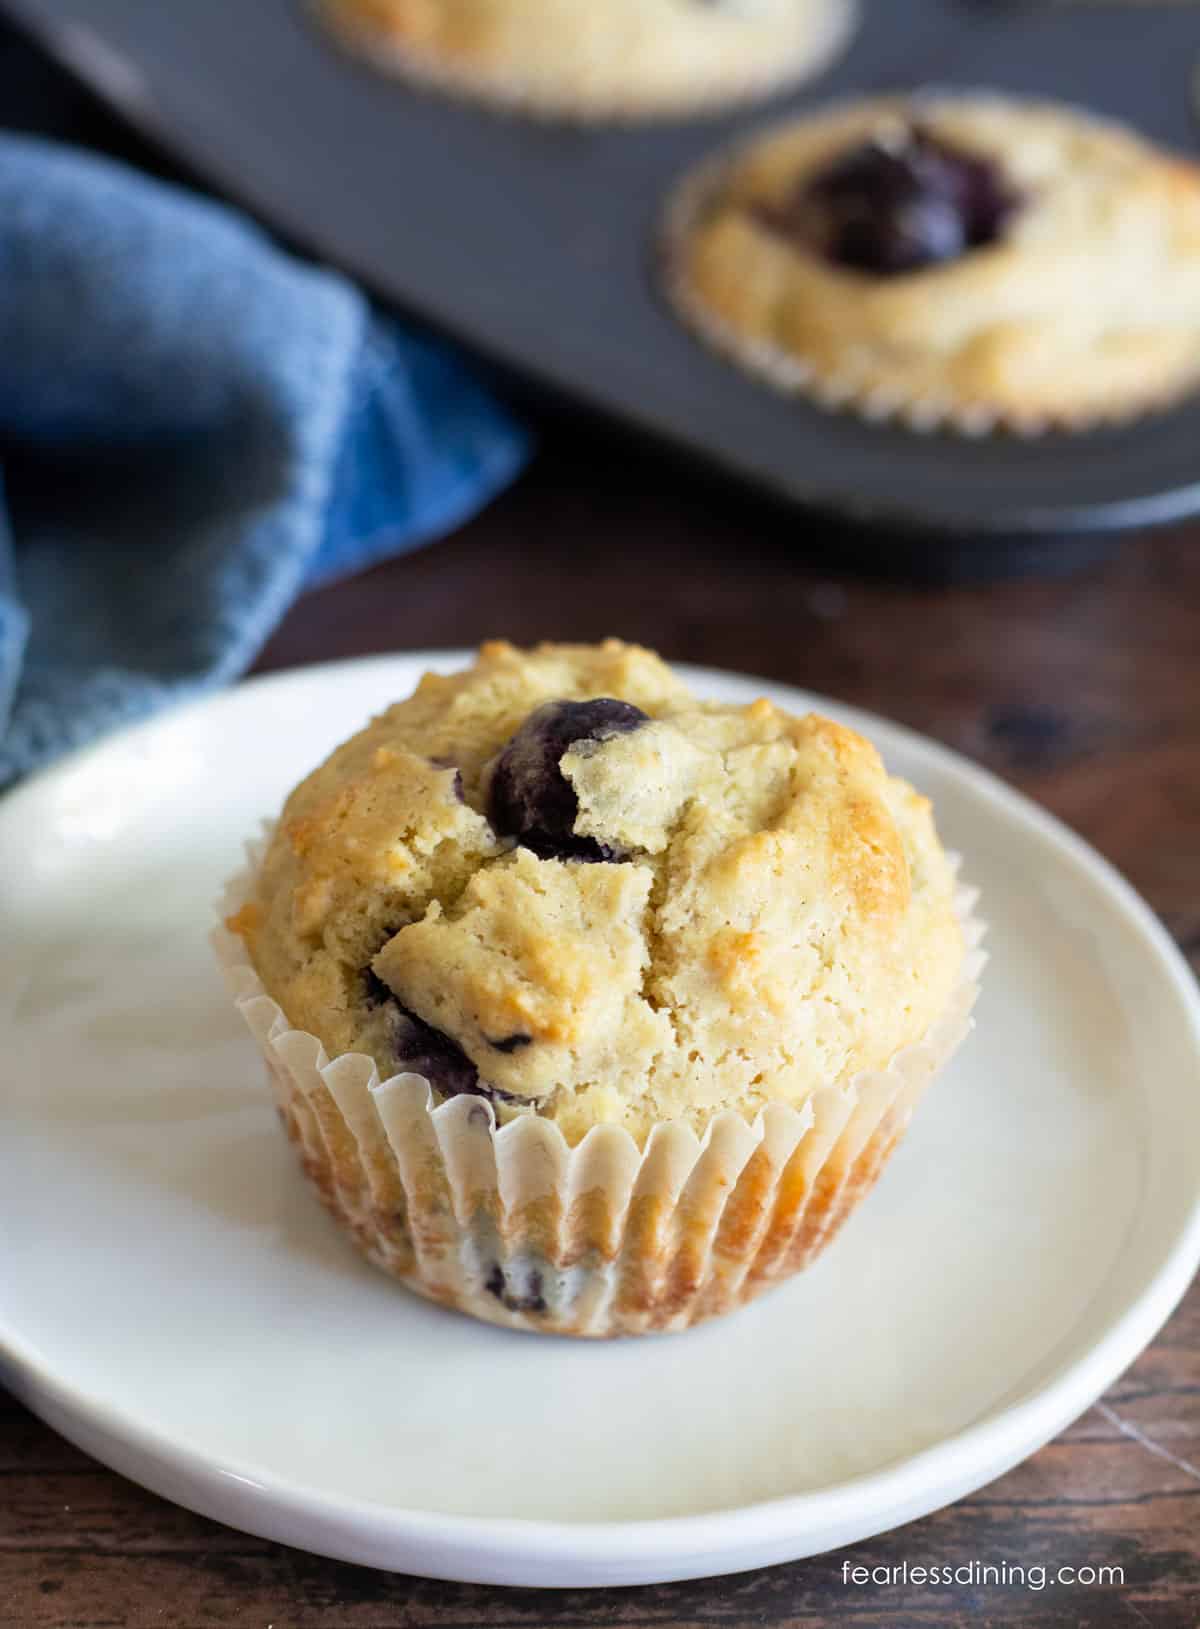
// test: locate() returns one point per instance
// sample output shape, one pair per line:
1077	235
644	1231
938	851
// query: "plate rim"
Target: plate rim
532	1551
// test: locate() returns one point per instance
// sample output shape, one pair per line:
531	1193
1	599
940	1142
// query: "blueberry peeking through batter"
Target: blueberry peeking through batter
559	882
969	262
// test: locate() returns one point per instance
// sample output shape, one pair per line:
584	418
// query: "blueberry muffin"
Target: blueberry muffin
961	260
625	58
598	950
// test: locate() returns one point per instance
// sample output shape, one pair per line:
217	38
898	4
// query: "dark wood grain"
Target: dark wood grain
1085	692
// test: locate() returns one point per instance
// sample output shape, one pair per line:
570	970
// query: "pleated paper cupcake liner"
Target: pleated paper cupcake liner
578	103
516	1227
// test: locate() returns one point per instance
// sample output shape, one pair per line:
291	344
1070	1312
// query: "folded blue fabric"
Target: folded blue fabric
193	428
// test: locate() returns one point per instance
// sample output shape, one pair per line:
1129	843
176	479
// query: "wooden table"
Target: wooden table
1084	692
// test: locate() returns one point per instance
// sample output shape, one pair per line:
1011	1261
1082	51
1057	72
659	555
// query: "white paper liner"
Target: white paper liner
580	103
518	1228
855	387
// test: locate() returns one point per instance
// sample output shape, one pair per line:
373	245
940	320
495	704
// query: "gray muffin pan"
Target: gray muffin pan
534	242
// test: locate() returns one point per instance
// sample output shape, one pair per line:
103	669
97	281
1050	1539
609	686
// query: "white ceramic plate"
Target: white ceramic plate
173	1299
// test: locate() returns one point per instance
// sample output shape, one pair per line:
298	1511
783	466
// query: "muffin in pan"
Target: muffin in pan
627	996
960	260
625	59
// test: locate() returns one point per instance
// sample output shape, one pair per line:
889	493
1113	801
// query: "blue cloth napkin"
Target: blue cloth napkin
193	428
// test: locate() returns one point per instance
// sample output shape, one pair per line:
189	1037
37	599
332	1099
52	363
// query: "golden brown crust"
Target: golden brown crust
782	919
625	59
1086	310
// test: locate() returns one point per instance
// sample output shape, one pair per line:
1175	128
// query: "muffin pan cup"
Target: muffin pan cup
515	1227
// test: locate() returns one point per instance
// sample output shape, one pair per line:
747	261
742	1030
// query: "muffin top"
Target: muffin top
970	259
620	59
559	881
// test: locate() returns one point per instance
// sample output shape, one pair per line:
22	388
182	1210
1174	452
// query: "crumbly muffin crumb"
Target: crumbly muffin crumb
741	907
